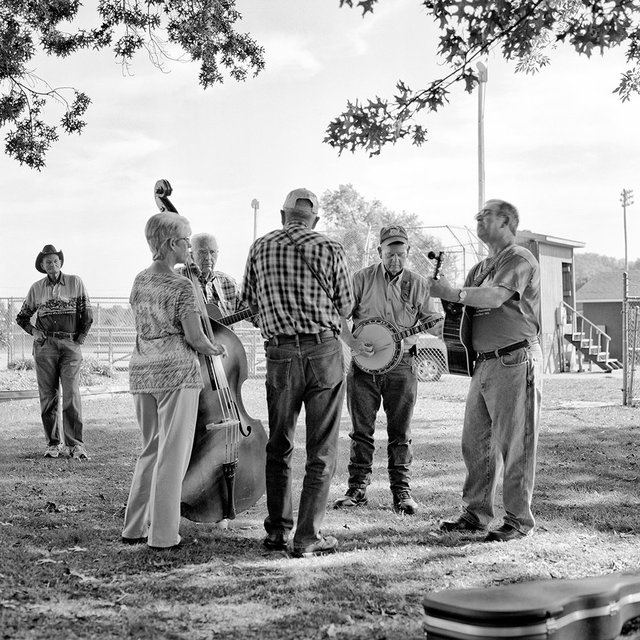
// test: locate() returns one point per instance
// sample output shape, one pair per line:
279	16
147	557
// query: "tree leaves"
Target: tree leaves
523	30
203	29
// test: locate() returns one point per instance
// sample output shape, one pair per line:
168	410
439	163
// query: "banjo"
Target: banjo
387	343
386	339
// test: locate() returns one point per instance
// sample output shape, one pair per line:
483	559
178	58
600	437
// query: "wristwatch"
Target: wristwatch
462	294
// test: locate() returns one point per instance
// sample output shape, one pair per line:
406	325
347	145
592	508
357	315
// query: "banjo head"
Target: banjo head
387	348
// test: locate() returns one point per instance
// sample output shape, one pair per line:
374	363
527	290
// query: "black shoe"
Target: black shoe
174	547
325	545
354	497
134	540
275	542
504	534
404	503
462	525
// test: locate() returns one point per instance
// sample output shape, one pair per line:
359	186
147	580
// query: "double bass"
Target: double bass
226	469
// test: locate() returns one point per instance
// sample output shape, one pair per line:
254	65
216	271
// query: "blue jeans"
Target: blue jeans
397	390
58	362
312	373
500	430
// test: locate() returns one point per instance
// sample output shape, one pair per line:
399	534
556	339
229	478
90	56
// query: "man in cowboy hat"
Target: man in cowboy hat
63	317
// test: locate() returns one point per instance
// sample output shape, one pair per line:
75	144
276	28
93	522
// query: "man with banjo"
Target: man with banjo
503	404
391	304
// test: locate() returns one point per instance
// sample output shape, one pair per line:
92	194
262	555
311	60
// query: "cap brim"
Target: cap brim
393	239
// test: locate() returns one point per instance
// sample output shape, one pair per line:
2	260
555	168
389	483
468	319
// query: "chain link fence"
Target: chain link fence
112	336
630	345
460	250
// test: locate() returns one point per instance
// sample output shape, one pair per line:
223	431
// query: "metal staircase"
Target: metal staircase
588	339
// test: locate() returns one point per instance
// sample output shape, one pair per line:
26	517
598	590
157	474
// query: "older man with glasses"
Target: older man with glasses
503	403
390	291
217	287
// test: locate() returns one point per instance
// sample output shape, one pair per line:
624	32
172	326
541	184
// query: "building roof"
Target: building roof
607	287
525	234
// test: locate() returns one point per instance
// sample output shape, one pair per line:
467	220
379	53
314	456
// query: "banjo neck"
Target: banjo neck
419	328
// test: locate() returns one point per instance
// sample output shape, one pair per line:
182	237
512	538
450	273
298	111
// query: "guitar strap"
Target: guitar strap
477	281
313	271
216	288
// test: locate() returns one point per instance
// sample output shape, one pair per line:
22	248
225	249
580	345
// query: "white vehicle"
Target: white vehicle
431	360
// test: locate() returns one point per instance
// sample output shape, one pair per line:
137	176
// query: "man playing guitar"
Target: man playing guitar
217	287
503	404
389	292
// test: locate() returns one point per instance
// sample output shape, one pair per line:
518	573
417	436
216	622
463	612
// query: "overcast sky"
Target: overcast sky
559	145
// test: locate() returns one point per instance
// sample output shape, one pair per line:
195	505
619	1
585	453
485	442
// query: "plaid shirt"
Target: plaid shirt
230	302
281	286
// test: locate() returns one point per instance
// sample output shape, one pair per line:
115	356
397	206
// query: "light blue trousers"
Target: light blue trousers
500	432
167	421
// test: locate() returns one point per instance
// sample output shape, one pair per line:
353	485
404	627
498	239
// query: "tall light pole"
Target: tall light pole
482	79
256	205
626	200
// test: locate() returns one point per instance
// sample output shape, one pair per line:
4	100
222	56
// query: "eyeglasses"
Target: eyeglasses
481	215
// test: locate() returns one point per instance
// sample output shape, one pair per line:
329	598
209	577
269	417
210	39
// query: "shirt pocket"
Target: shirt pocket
406	316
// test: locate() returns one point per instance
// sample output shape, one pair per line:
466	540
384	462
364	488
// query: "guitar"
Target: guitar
214	312
387	339
456	331
456	334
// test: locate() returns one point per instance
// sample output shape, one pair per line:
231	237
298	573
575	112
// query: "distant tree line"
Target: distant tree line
588	265
356	222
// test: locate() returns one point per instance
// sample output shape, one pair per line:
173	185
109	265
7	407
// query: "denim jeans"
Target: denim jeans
312	373
397	391
500	432
58	363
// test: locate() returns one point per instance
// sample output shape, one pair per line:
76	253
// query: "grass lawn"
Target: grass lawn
64	573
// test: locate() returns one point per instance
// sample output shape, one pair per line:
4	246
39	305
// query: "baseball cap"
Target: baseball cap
393	233
300	194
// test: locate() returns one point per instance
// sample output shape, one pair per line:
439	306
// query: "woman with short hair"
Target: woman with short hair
165	380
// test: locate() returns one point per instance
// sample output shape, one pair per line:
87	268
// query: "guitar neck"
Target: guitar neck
419	328
236	317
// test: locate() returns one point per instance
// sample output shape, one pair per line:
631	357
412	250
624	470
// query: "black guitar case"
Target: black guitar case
582	609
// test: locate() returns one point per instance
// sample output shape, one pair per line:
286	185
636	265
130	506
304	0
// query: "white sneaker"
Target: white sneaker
79	452
52	451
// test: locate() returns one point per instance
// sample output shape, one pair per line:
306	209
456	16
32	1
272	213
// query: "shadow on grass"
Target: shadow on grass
66	574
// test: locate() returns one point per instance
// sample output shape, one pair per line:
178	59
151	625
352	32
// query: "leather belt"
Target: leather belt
297	338
489	355
59	334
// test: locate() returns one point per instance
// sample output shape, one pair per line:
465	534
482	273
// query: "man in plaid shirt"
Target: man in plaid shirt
300	315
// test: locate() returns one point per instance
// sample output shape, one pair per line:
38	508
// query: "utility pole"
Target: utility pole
482	81
626	200
256	205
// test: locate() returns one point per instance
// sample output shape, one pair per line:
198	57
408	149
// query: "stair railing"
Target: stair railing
584	330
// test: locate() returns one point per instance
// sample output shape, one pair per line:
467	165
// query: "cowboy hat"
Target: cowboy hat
48	249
